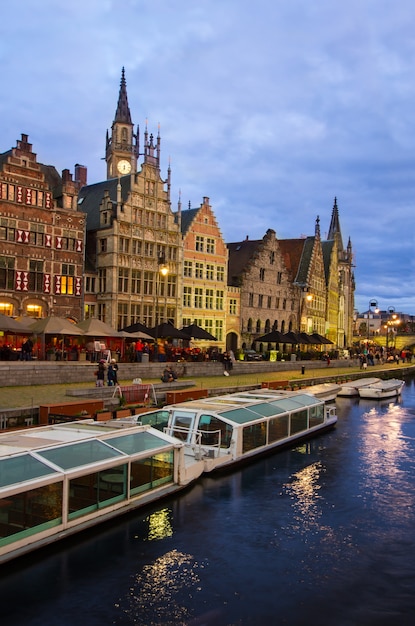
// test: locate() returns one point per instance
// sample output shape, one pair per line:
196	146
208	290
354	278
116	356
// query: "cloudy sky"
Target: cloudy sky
270	108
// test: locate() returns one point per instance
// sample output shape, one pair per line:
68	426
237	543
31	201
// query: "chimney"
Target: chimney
80	175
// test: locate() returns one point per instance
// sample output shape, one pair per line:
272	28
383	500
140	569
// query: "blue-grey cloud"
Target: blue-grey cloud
271	109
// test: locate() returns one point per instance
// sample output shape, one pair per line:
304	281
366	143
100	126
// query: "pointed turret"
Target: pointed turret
334	230
121	145
122	113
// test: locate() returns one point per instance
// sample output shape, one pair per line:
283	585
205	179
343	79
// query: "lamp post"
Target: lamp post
305	300
373	304
390	325
162	270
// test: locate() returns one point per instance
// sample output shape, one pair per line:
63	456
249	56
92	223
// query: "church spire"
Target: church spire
121	145
335	230
122	113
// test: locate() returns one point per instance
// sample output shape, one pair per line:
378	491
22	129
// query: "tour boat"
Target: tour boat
59	479
383	389
352	387
224	431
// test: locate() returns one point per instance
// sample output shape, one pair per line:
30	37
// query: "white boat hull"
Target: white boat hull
384	389
352	387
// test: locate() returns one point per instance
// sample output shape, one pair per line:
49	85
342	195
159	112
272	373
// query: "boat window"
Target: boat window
316	415
20	468
135	443
215	431
30	512
278	428
299	421
157	419
254	436
152	472
92	491
78	454
183	423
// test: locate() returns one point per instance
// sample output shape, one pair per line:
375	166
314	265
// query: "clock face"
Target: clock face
124	167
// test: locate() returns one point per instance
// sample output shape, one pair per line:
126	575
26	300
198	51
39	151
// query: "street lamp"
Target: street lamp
390	325
305	300
373	304
162	271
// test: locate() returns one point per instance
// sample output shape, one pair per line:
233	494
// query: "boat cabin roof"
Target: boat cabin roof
248	406
27	455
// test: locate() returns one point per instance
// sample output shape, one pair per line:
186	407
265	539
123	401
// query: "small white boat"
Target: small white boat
383	389
325	391
352	387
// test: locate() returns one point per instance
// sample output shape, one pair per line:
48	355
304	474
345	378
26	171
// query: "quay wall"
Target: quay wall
16	373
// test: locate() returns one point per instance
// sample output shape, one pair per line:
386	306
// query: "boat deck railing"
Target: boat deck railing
198	439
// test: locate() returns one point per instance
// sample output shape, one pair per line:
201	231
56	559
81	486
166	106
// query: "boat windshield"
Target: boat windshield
182	424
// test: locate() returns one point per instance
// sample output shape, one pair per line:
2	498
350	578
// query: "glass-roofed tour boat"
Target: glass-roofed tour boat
59	479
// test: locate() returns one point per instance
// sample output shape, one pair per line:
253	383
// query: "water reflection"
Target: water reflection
304	490
159	525
159	591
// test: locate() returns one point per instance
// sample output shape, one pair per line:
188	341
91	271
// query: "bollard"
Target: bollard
303	369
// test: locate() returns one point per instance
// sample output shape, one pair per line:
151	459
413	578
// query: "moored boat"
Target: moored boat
326	391
383	389
60	479
227	430
352	387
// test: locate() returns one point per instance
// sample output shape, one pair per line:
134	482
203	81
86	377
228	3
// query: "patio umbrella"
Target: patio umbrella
272	337
304	338
54	326
10	325
197	332
137	327
165	330
57	326
93	327
139	334
291	337
320	338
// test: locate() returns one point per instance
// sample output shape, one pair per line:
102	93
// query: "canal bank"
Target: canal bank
19	405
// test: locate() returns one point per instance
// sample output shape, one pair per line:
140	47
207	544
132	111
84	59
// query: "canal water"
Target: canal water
321	534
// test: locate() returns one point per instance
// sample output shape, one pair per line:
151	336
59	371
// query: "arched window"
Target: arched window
275	325
258	326
283	327
267	326
249	325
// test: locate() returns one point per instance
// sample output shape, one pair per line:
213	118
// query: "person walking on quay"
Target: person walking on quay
100	373
112	373
227	363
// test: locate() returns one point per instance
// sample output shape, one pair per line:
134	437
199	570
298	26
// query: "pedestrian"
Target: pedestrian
100	373
227	363
112	373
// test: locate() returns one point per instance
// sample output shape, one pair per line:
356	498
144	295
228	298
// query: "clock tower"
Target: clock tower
121	151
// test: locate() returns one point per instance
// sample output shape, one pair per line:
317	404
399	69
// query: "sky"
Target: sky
270	108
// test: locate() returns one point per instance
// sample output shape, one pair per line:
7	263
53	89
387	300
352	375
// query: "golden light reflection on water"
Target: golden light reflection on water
384	448
159	525
160	592
304	489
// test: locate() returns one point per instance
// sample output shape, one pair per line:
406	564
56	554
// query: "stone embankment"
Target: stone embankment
15	373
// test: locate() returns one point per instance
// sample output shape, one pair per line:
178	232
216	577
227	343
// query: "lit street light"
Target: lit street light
373	308
162	271
391	327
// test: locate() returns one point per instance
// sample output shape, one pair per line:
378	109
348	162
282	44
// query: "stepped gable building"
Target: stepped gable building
205	263
42	236
268	299
131	231
304	260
